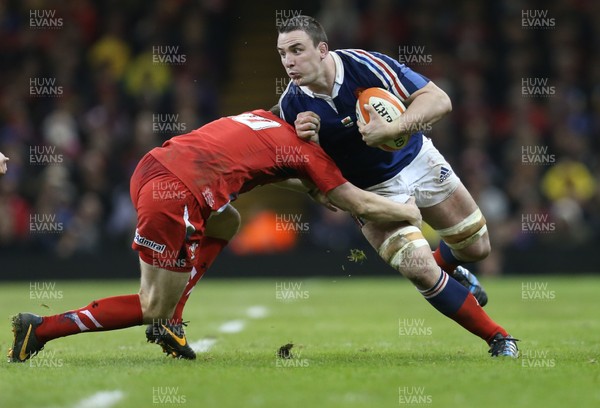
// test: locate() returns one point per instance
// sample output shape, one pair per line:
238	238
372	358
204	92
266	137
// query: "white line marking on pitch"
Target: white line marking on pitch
257	312
203	345
102	399
232	326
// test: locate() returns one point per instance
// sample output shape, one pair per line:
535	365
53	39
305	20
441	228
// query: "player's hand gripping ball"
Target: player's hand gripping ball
388	106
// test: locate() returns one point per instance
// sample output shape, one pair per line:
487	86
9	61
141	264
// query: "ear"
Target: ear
323	49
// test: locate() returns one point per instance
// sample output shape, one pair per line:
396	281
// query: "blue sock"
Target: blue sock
447	295
455	301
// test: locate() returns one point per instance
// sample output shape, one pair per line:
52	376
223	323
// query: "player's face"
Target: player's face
300	58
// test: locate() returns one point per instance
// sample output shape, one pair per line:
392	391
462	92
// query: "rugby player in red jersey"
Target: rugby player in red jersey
174	189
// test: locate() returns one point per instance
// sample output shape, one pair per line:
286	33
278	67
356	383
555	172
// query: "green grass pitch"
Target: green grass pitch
357	343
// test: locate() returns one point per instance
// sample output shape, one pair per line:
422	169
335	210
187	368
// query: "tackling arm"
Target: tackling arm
373	207
308	187
294	184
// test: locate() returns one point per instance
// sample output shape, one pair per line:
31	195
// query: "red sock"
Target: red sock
472	317
446	265
455	301
111	313
209	249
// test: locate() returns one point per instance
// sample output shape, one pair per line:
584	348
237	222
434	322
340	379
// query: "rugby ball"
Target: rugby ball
388	106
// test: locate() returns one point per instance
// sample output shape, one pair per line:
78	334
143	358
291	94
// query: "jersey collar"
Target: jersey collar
337	84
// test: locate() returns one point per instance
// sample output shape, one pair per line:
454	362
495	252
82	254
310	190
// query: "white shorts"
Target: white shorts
429	178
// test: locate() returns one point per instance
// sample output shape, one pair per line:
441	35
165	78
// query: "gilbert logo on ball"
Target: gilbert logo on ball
388	106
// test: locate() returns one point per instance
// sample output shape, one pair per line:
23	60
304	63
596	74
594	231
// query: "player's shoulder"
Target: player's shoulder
264	114
291	101
291	91
259	119
350	51
362	56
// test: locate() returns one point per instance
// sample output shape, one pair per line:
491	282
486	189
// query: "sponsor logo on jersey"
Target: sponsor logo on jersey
444	174
143	241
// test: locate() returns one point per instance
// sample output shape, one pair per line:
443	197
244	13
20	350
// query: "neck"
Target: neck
325	84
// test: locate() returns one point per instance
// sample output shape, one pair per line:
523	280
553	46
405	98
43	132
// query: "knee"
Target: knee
469	239
483	247
224	225
231	224
477	251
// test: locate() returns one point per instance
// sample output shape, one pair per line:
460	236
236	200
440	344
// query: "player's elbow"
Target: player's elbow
448	104
439	100
444	103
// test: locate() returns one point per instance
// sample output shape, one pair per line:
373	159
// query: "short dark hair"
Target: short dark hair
308	24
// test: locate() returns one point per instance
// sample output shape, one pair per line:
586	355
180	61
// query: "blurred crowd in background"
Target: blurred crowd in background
524	134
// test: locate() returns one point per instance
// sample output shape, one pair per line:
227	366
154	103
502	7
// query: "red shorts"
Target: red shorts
170	221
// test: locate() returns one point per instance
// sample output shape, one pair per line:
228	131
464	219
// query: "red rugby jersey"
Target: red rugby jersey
233	155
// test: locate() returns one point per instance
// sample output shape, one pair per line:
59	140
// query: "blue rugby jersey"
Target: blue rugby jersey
362	165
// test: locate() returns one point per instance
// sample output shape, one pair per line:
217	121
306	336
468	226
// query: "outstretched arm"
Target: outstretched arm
373	207
308	187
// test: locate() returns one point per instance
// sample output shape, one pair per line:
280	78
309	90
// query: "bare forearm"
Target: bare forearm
428	106
381	209
372	207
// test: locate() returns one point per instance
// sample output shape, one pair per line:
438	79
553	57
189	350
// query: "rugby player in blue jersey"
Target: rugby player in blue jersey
320	101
